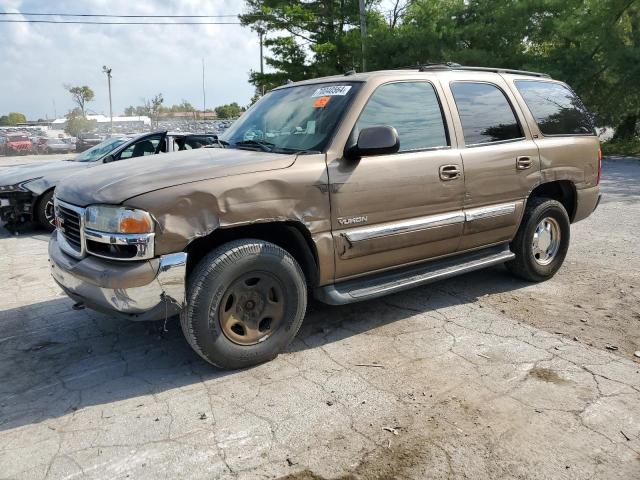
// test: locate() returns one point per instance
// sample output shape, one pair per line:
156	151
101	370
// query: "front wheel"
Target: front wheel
542	241
245	303
44	211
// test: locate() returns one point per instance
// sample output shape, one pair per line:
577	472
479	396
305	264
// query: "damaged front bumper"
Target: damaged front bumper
145	290
16	207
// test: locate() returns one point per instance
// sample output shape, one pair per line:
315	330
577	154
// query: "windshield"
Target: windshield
292	119
100	150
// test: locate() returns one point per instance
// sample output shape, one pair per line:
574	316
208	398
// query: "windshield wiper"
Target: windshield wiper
261	144
297	151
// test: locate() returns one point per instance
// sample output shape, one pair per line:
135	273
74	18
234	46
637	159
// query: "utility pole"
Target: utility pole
261	34
107	70
204	99
363	34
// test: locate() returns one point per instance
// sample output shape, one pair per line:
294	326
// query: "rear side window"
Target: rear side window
556	109
485	113
413	109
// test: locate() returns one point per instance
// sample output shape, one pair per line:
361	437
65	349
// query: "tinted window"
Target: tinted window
557	110
485	113
413	109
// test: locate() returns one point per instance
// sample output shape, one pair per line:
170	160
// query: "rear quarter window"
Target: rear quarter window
555	108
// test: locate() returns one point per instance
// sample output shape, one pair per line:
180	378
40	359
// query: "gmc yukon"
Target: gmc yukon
345	188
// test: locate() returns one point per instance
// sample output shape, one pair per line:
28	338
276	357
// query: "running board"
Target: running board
365	288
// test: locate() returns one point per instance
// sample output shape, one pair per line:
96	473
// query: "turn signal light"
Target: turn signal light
135	225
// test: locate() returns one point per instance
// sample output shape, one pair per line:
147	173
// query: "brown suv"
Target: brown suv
346	187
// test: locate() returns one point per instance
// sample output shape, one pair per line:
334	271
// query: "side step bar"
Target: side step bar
366	288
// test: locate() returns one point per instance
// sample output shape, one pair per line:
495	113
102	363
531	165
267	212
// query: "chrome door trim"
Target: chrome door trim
490	211
405	226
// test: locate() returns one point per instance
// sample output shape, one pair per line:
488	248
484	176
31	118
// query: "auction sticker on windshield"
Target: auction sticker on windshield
334	90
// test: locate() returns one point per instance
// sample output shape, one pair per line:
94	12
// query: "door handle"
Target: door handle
523	163
449	172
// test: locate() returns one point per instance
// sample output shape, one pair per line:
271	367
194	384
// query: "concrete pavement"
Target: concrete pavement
442	381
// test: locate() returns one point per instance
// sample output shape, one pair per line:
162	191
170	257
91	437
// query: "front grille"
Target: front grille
69	221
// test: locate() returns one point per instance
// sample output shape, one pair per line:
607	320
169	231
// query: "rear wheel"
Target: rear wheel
245	303
44	211
542	241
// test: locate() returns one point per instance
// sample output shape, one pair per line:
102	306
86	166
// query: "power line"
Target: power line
86	22
112	16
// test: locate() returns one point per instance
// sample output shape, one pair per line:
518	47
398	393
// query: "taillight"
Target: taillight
599	166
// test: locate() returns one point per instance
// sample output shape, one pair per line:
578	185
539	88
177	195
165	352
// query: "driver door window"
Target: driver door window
144	146
412	108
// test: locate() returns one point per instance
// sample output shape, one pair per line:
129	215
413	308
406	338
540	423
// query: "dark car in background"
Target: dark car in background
26	191
87	140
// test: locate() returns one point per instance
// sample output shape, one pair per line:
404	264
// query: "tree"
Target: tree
77	123
231	110
321	37
152	108
13	118
81	96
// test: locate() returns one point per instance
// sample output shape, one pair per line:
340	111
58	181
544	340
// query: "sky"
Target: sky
37	60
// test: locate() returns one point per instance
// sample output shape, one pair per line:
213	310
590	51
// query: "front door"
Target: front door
395	209
501	161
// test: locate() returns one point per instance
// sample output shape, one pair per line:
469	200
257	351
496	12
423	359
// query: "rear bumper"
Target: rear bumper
587	200
146	290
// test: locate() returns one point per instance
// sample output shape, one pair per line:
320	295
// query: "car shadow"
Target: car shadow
55	360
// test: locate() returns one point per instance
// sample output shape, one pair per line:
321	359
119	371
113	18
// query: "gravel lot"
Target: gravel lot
481	376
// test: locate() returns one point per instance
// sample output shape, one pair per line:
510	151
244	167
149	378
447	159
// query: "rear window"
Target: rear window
485	113
556	109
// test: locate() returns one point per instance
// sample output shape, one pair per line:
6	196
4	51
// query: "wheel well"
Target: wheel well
563	191
291	236
36	202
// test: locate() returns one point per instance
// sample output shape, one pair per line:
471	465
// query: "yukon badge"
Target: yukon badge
352	220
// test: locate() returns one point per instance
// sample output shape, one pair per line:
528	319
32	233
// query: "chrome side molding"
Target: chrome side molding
490	211
431	221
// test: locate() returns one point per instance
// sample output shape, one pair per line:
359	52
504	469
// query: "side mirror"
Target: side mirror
378	140
108	158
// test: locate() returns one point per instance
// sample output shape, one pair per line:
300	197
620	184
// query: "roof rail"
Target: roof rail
456	66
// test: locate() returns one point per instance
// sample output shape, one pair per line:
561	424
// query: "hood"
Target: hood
50	173
115	182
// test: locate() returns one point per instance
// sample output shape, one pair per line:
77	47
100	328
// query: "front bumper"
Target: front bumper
16	207
145	290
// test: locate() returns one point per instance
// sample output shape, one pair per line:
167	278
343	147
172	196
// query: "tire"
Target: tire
44	208
541	263
222	292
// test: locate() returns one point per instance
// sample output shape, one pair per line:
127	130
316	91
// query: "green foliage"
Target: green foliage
626	147
593	45
13	118
77	123
81	96
231	110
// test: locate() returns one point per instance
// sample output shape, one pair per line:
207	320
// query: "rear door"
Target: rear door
501	160
395	209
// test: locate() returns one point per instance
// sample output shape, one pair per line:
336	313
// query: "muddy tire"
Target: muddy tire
542	240
245	303
44	211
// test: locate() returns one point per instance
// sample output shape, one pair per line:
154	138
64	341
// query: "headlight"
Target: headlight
109	219
18	187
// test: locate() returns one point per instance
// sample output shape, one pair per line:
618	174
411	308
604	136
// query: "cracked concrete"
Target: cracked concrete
475	377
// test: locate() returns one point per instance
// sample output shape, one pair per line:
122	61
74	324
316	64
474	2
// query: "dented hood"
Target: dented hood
116	182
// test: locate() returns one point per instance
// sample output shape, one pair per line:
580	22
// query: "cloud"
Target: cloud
38	59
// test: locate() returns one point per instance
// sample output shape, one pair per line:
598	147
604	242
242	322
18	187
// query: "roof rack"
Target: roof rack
455	66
